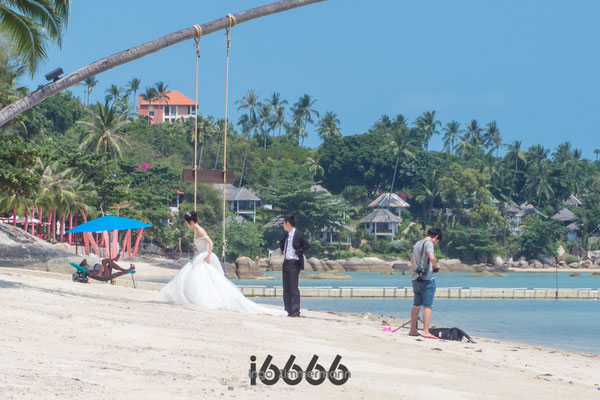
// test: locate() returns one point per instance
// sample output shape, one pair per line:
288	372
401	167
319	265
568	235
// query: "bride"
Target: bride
202	282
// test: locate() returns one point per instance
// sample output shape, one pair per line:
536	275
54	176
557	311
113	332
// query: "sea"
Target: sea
560	324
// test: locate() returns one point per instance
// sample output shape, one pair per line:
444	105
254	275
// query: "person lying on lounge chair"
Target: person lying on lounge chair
106	268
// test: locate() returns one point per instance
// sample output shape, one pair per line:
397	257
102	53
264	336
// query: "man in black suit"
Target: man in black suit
292	245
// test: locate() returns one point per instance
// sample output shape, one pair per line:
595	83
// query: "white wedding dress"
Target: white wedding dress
205	285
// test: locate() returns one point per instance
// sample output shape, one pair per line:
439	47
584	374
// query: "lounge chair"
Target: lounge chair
83	274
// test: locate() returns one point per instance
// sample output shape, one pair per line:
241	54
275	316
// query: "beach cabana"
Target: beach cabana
394	203
111	223
381	223
240	200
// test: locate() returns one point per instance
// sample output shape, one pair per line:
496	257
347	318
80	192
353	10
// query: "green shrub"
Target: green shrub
366	248
570	258
400	246
381	246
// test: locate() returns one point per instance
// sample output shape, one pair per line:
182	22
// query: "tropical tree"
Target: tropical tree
428	191
161	92
451	132
265	120
538	181
562	156
220	127
132	87
473	134
514	152
278	121
275	103
101	133
329	126
304	111
113	94
89	84
30	25
427	124
492	138
597	153
206	129
313	165
247	124
399	142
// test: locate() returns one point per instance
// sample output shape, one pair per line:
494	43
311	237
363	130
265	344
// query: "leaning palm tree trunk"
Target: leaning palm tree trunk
277	158
244	162
24	104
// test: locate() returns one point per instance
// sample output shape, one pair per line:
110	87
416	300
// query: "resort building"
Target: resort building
573	201
240	200
394	203
567	218
177	107
381	223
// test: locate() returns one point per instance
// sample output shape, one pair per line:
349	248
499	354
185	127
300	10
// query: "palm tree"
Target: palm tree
303	109
597	152
29	25
492	138
514	150
101	135
249	102
473	134
278	121
206	128
562	156
247	124
161	92
537	181
451	131
276	102
536	154
399	142
132	87
427	124
113	94
329	126
265	120
575	162
429	191
313	165
89	84
150	95
220	127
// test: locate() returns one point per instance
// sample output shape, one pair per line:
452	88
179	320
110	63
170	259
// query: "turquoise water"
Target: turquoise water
448	279
563	324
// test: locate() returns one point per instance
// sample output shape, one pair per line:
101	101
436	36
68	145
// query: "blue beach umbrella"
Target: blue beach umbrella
109	223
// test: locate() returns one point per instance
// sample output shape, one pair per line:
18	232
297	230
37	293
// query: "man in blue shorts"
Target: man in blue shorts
424	264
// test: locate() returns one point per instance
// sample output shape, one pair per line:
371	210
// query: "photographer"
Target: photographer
424	264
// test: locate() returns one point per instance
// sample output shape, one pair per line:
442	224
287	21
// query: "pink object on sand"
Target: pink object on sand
387	329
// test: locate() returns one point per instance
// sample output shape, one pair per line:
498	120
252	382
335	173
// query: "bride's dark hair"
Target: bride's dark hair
191	216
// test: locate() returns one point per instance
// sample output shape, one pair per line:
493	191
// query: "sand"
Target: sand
66	340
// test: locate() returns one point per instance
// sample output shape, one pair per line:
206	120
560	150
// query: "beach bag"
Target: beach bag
451	334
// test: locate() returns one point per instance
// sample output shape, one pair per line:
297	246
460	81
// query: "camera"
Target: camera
421	273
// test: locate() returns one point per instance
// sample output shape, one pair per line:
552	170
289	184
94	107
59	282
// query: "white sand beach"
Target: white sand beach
66	340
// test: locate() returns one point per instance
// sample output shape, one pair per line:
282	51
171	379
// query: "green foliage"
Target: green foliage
17	161
315	250
381	246
400	246
570	258
540	237
366	248
243	240
470	244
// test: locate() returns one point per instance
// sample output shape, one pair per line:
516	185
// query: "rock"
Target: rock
574	265
20	249
548	261
486	273
548	266
182	261
401	267
498	261
575	274
367	264
333	265
275	261
332	275
263	263
61	265
151	248
306	275
387	272
562	264
480	267
500	269
315	264
595	274
538	265
586	264
450	261
523	264
230	271
246	268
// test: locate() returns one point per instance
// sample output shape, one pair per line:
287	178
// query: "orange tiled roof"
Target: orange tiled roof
175	99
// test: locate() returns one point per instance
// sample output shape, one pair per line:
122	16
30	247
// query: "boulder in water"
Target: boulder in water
20	249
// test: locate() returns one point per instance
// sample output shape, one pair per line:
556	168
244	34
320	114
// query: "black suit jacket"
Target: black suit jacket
299	243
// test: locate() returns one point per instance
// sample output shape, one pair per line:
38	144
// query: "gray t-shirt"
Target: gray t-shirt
421	258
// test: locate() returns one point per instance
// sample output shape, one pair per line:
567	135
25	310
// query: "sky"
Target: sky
532	66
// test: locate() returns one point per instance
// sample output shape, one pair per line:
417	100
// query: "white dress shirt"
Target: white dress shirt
290	253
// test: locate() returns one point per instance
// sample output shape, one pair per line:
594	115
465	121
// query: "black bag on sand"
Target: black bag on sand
451	334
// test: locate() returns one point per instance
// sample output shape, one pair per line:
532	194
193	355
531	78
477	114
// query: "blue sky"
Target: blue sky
530	65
